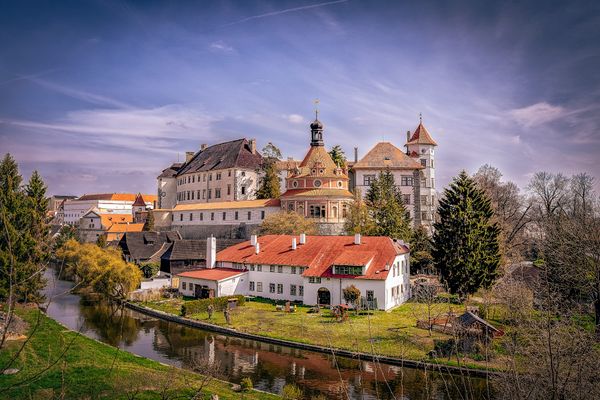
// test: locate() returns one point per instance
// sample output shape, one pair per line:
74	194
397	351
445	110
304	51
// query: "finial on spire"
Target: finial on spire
420	118
316	101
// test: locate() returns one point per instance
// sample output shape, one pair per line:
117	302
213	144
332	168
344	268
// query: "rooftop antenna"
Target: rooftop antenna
316	101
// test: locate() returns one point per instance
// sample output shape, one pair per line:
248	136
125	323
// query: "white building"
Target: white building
106	203
310	269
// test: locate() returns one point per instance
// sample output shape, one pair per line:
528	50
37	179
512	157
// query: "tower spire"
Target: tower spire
420	118
316	101
316	128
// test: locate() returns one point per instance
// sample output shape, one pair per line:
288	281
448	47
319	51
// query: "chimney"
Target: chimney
356	154
189	155
203	146
407	136
293	243
257	248
253	240
303	238
357	238
211	252
252	143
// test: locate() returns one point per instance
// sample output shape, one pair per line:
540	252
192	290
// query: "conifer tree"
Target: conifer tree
420	250
359	219
269	185
387	209
23	234
338	156
465	243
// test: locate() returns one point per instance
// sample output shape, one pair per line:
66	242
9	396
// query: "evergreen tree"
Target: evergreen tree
338	156
465	243
386	208
23	234
359	219
269	185
149	224
420	251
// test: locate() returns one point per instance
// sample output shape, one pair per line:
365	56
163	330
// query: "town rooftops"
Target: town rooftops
141	246
212	274
322	192
234	154
421	136
107	220
116	197
124	227
319	254
226	205
386	155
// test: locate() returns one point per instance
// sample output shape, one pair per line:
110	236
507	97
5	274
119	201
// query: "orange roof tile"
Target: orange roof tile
212	274
108	219
326	192
222	205
386	155
318	254
117	197
124	227
354	258
421	136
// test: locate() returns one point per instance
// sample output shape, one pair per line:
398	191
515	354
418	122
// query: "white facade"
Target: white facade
233	184
75	209
225	287
428	194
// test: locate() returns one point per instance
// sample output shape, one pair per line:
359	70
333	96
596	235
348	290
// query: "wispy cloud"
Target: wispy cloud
27	77
284	11
222	47
295	118
537	114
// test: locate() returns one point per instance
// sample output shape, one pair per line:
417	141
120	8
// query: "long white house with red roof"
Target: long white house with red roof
310	269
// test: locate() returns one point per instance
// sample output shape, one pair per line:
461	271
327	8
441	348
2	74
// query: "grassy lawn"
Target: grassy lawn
393	333
89	369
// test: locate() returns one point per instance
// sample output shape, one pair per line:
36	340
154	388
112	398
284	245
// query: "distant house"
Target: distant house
140	247
94	224
186	255
105	203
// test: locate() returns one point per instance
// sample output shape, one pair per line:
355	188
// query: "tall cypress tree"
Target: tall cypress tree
386	207
465	242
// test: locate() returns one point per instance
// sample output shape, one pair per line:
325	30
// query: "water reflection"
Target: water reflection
269	366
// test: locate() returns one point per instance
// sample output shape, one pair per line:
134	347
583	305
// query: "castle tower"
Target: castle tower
421	146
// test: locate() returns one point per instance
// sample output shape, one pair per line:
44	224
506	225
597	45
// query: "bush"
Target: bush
201	305
448	298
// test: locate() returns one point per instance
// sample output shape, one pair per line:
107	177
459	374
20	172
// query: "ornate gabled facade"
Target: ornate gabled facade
318	188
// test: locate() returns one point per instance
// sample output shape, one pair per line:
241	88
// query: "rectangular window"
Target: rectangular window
218	176
406	180
259	268
212	216
251	286
272	268
406	199
348	270
210	177
259	286
293	290
432	182
181	217
198	194
314	279
228	189
224	215
249	215
201	216
243	189
183	286
188	194
191	217
370	295
279	288
229	173
217	193
423	162
279	269
293	270
424	200
300	290
203	193
431	163
236	215
243	173
368	179
203	177
193	194
262	215
252	268
271	288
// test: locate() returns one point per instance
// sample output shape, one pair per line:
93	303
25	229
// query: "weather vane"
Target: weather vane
316	101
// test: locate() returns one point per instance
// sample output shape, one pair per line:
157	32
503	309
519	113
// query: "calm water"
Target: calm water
269	366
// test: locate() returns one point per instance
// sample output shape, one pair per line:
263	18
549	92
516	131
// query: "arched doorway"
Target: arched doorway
323	296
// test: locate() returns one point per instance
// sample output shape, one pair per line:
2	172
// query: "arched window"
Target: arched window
345	211
334	211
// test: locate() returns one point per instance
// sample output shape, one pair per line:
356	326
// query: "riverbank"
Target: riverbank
395	339
57	361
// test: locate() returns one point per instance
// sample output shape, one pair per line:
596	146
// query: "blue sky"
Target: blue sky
100	96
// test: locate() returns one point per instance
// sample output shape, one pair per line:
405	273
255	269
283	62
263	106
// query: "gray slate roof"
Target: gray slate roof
233	154
141	246
171	171
468	319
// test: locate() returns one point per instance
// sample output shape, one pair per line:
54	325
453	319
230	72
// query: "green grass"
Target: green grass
90	369
394	333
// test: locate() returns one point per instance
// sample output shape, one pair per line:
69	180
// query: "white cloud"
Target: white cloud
537	114
295	118
221	46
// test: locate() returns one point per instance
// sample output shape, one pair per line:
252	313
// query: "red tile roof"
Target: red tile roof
354	258
421	136
386	155
212	274
117	196
318	254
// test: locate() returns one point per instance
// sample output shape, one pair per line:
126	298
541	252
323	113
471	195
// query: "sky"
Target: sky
101	96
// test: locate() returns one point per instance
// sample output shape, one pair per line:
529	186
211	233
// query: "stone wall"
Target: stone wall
241	231
330	229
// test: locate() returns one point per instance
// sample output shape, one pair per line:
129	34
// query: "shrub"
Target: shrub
448	298
201	305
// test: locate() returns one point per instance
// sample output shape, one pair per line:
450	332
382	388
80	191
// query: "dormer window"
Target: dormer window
348	270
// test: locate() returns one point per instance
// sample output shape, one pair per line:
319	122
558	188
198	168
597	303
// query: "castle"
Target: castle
214	191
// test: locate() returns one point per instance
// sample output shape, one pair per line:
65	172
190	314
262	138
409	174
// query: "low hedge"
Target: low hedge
201	305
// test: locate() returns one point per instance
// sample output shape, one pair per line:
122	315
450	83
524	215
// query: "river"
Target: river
269	366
